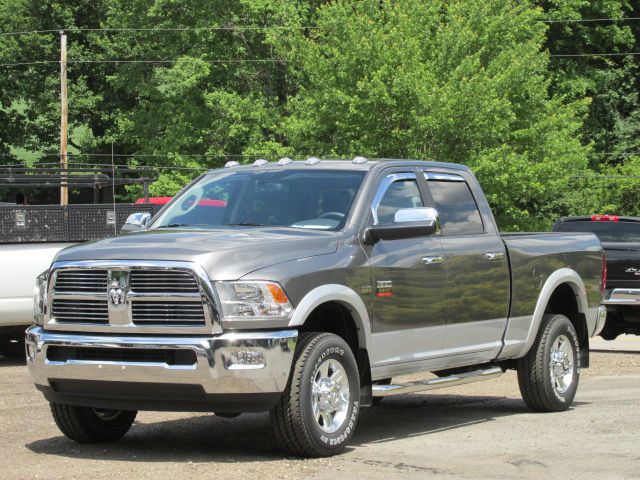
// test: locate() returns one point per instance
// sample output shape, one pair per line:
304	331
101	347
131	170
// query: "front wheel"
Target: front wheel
548	375
318	411
92	425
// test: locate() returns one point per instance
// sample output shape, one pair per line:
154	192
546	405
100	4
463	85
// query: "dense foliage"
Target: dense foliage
461	81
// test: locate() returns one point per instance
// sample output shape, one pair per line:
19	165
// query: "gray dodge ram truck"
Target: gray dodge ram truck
302	288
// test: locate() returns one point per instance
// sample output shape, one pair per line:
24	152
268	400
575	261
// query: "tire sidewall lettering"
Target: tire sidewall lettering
344	433
571	333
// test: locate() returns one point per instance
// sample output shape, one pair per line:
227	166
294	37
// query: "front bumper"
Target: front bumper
622	296
231	372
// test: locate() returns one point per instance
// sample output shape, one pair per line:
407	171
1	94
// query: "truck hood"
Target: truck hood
224	254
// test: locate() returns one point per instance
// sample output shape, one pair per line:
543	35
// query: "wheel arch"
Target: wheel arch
563	293
335	294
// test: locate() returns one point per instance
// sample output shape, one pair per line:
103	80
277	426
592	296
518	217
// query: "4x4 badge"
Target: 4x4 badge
384	288
635	271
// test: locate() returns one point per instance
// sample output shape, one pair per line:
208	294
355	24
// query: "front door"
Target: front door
409	283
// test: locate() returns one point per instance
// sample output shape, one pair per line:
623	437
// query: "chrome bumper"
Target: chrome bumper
622	296
264	367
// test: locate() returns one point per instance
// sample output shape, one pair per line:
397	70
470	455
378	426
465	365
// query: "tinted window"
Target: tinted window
400	194
287	198
456	207
605	231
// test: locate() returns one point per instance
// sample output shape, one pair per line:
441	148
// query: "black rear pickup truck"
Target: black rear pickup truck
620	238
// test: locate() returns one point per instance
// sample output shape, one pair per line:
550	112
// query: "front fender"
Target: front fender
343	295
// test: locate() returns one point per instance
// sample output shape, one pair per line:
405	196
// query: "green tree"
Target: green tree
458	81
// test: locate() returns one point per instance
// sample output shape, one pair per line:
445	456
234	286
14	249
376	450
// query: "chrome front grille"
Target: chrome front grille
121	296
80	311
163	281
82	281
167	313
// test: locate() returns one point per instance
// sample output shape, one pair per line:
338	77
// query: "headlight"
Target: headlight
253	300
40	297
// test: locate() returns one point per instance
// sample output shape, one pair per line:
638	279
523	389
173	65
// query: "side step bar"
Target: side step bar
433	383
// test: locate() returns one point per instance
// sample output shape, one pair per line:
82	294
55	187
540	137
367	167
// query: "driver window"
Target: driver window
402	193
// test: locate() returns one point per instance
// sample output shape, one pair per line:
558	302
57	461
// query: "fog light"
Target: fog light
245	359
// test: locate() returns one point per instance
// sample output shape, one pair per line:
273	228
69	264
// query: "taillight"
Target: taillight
603	281
605	218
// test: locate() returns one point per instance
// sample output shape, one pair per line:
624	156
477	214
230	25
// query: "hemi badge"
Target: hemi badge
384	288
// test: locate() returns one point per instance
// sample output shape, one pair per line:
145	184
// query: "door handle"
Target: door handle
492	256
431	260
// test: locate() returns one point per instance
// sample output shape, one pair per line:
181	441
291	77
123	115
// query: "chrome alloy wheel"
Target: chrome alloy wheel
330	396
561	365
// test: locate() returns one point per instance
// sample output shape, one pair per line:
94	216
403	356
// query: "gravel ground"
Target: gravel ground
481	430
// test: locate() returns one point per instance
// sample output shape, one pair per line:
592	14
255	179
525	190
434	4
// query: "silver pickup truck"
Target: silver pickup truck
302	288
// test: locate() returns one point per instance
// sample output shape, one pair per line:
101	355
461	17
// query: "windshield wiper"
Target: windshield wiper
174	225
245	224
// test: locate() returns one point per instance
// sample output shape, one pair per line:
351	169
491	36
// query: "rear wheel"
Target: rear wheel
92	425
318	411
548	375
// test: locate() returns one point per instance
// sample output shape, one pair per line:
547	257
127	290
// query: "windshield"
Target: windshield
318	200
606	231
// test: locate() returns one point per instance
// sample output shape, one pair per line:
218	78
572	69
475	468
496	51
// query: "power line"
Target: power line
621	54
591	20
150	61
239	28
153	155
38	62
621	154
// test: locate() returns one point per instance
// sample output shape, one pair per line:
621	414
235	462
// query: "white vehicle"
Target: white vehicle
20	264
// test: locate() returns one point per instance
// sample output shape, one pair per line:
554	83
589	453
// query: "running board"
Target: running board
433	383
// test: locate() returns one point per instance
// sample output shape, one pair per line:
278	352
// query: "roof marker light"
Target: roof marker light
231	163
312	161
284	161
260	162
360	160
605	218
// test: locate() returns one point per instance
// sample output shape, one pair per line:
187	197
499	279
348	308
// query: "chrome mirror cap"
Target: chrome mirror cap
135	222
426	215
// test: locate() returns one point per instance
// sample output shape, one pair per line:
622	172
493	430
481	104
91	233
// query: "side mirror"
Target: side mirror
136	222
407	223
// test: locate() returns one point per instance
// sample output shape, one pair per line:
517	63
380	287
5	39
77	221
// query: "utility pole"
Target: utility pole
64	111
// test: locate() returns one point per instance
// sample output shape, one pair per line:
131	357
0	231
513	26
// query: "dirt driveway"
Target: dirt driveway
476	431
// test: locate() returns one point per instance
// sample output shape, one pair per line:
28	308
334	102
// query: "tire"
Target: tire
89	425
546	385
320	360
12	347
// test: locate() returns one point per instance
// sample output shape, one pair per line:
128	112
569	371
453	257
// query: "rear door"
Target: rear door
477	269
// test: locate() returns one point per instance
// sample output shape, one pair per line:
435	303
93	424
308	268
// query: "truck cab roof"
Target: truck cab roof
358	163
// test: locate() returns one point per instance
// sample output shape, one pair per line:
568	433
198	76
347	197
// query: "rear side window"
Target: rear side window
456	207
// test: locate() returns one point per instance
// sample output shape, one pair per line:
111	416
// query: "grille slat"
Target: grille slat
167	313
80	311
160	281
94	281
